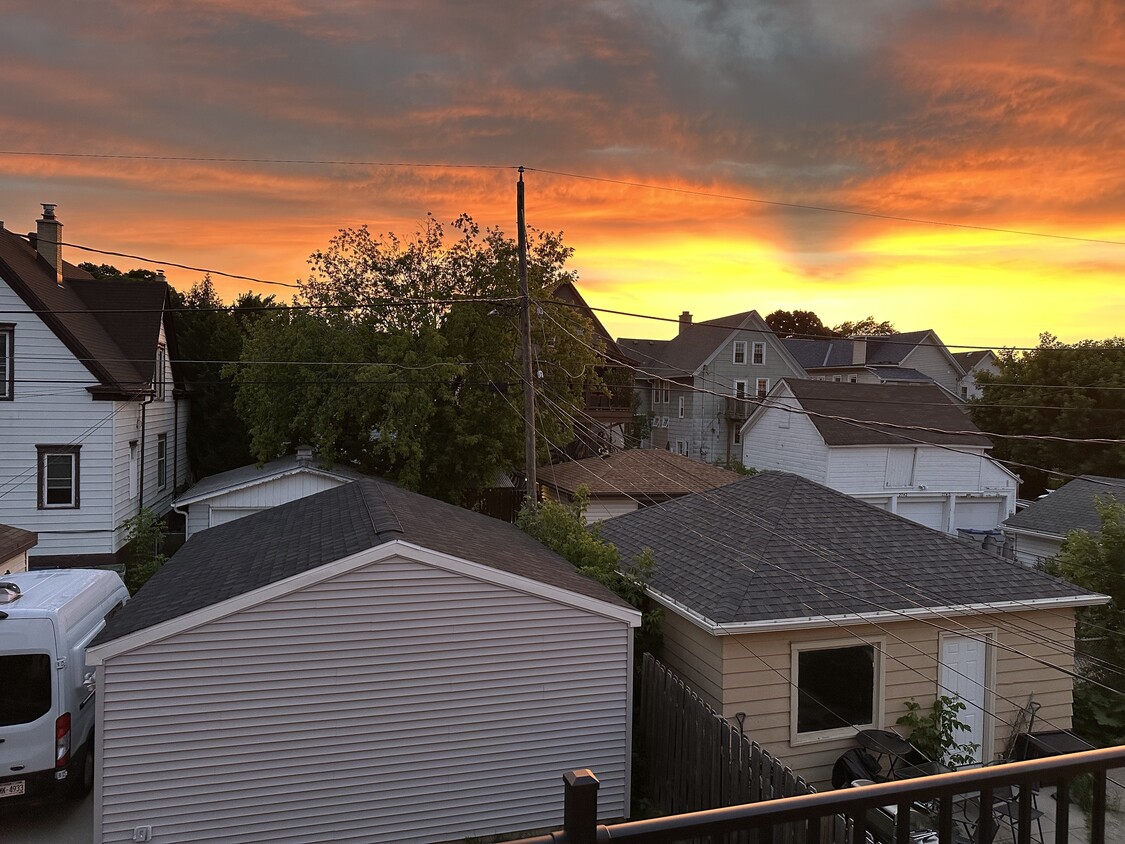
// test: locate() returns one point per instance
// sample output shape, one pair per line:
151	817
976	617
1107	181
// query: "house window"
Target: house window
853	379
680	449
158	375
134	468
836	378
663	421
759	354
739	351
58	476
740	389
7	369
655	393
681	407
667	392
835	689
737	436
964	392
162	461
762	387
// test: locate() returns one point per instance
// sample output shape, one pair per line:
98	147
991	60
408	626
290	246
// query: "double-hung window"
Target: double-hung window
58	476
681	407
758	354
162	461
762	387
836	688
667	392
7	368
739	352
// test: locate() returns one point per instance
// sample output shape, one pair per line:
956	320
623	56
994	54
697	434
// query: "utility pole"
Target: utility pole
525	331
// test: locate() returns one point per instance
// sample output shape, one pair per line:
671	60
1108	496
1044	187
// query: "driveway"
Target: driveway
64	822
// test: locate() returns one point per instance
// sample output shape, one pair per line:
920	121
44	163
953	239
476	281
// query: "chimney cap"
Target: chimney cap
304	454
49	210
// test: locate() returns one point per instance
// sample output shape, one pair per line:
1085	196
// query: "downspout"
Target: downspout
141	480
175	443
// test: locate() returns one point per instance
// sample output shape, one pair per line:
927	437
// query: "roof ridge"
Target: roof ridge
382	512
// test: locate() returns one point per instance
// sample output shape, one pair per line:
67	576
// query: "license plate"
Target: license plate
12	789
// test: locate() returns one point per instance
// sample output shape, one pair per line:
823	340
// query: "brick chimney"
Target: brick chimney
48	240
685	321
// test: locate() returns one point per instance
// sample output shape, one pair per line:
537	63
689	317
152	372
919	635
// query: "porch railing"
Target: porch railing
815	813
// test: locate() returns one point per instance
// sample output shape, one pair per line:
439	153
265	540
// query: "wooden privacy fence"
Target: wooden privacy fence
695	758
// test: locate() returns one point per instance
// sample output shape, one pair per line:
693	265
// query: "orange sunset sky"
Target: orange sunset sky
993	113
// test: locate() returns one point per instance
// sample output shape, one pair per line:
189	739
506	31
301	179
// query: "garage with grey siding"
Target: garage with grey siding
430	679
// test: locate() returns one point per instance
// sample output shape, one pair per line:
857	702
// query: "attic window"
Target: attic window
7	370
739	351
758	354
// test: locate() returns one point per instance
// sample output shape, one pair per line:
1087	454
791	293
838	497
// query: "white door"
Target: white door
964	674
928	512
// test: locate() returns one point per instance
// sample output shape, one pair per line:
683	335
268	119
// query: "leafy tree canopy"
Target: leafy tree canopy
108	271
807	323
1097	562
399	366
867	325
1075	390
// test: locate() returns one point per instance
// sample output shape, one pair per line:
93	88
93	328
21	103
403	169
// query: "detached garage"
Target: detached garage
366	665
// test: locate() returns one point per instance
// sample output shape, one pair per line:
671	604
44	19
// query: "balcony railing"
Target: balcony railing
813	818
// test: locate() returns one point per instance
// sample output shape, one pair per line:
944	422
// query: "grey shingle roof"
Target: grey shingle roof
777	546
1070	507
967	360
898	373
887	349
215	484
648	474
879	405
686	352
119	348
239	557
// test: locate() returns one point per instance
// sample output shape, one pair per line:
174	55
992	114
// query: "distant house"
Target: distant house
623	481
92	420
907	357
694	388
816	615
364	664
14	545
1038	531
242	492
972	364
935	471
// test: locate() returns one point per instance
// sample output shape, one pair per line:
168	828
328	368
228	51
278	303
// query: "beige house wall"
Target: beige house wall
752	673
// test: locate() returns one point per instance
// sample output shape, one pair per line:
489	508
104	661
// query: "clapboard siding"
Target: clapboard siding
51	407
395	703
929	357
785	441
260	496
1032	550
600	509
695	656
1034	654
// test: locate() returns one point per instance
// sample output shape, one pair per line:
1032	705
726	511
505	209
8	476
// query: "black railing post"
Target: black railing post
1097	821
580	806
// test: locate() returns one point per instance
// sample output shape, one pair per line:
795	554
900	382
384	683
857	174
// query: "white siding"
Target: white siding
396	703
217	509
161	418
930	358
785	441
600	509
52	407
1032	550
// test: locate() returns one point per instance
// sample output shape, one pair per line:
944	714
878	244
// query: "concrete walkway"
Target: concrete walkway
62	822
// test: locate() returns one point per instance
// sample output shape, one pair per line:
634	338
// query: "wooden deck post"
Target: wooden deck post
580	806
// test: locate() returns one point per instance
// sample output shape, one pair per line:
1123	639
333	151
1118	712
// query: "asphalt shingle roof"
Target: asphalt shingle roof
254	473
967	360
239	557
1070	507
884	349
111	326
686	352
777	546
14	540
923	405
647	474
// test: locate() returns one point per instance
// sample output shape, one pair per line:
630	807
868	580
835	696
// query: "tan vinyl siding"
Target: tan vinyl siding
695	656
396	703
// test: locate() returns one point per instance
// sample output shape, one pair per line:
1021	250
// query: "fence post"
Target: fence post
580	806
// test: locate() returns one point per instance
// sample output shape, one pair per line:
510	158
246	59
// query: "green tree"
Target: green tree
1067	390
406	361
108	271
801	323
144	534
867	325
1096	561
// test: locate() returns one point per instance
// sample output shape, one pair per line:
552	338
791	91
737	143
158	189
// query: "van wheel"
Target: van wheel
83	773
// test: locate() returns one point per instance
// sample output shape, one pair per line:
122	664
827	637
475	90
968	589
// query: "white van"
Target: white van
47	618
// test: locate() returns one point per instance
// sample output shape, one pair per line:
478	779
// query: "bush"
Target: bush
933	731
145	534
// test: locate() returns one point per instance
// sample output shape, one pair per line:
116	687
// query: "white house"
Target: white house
364	664
973	363
250	489
935	470
92	425
1038	531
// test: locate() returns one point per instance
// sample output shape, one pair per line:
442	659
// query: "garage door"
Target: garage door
978	513
930	513
222	515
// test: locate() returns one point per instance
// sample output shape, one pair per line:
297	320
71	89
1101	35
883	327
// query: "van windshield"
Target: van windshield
25	687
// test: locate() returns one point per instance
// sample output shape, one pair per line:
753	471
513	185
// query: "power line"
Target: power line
234	160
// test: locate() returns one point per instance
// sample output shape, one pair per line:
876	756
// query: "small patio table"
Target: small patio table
885	743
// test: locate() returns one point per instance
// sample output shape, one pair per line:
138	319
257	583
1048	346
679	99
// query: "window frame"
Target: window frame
739	346
7	361
745	393
42	453
758	353
158	380
161	461
878	692
667	392
680	408
759	390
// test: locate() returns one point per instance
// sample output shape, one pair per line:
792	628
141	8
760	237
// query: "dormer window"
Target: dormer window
7	370
158	375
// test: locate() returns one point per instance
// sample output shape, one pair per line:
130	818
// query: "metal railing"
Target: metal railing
814	814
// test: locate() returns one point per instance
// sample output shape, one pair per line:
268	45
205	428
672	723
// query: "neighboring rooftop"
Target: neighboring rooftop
111	326
881	349
776	546
682	355
967	360
254	474
1070	507
14	540
882	405
239	557
646	474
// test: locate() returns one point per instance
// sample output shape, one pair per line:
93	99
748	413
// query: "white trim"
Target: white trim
734	353
753	346
990	636
303	580
853	619
187	500
1057	537
878	691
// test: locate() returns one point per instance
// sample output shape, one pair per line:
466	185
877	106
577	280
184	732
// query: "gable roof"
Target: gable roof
776	547
967	360
567	292
696	343
647	474
239	557
881	406
880	350
111	326
252	475
1070	507
14	540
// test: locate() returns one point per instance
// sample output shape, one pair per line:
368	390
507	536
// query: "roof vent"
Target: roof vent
8	592
304	455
